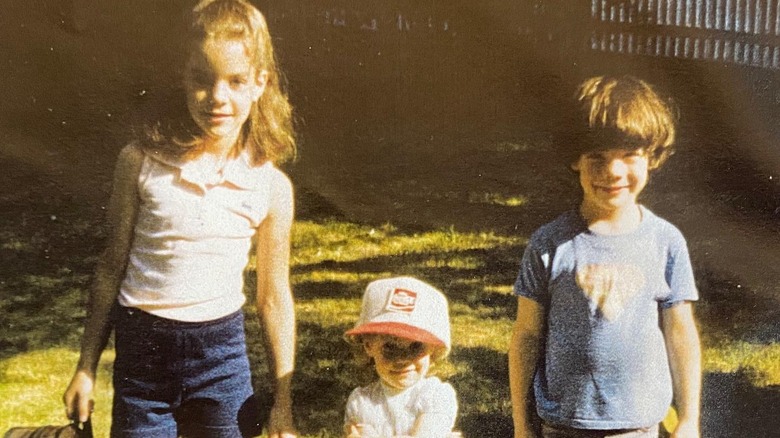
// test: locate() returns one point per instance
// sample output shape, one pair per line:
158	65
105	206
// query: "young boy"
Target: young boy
404	328
605	331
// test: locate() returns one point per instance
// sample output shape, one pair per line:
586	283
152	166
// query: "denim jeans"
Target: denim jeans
550	431
175	378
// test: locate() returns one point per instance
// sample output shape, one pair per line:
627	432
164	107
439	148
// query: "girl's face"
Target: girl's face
400	363
222	85
612	179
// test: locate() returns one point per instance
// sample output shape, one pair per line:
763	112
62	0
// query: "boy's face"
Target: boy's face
612	179
400	363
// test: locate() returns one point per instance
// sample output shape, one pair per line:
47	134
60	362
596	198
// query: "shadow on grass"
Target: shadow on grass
325	375
733	408
483	392
494	267
310	205
729	310
48	255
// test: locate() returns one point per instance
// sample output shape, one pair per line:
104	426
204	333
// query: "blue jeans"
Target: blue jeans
550	431
175	378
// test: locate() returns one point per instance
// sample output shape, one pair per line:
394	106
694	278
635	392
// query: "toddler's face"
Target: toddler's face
612	179
399	362
222	86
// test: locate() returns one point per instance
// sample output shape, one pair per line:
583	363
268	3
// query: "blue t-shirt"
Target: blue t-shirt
603	363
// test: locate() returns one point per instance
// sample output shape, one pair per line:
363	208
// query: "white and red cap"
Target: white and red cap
407	308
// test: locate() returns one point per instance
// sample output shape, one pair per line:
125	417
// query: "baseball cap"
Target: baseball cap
407	308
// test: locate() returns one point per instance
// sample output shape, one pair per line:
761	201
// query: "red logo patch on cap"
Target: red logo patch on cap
402	300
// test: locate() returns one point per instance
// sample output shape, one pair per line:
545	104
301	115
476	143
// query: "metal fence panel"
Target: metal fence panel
745	32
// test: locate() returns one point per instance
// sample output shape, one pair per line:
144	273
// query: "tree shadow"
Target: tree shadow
311	205
48	254
729	310
733	407
494	267
483	392
326	373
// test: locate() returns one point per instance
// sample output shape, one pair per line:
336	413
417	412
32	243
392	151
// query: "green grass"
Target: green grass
31	386
41	309
760	362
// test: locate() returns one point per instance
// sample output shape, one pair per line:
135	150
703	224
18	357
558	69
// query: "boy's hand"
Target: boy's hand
686	430
78	397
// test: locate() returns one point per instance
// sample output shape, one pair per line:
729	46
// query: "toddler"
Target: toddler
404	328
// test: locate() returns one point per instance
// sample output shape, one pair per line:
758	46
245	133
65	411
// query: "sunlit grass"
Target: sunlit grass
453	262
329	313
503	289
31	387
760	362
479	327
497	199
328	276
343	242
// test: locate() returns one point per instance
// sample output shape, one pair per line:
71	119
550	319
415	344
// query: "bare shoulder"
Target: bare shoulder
131	152
280	180
129	161
281	185
282	197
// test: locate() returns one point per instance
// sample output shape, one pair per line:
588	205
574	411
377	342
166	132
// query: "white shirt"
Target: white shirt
393	412
193	235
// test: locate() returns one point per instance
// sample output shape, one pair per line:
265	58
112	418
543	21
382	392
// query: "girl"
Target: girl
183	215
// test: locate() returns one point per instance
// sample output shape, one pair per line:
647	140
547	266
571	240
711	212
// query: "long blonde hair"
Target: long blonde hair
268	133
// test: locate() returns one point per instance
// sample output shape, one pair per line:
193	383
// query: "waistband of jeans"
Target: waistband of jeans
141	316
562	428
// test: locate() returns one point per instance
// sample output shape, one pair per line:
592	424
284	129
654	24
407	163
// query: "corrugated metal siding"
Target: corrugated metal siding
745	32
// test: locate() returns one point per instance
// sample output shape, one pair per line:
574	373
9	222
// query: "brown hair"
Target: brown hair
268	133
623	112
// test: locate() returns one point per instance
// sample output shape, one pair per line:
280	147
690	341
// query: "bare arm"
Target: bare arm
684	351
523	358
275	301
121	216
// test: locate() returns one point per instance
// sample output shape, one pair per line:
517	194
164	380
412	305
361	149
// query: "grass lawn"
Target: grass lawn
43	291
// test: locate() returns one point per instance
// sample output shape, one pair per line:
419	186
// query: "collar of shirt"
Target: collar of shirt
204	171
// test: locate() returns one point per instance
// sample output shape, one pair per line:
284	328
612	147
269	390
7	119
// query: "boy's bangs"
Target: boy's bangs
606	138
628	116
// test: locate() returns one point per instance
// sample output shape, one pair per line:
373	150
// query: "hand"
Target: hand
280	423
362	431
78	396
688	429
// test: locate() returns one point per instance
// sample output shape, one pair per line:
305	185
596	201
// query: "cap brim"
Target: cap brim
398	329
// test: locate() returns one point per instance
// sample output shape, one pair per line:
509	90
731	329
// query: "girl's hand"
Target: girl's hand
362	431
78	396
280	424
686	430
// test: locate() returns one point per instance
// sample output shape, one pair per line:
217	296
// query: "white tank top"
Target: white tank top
193	235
